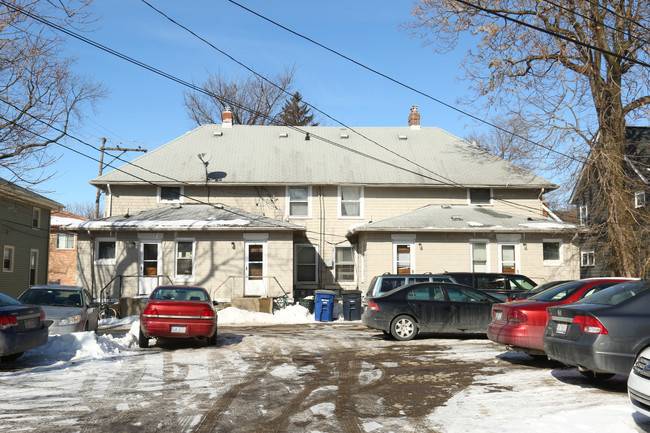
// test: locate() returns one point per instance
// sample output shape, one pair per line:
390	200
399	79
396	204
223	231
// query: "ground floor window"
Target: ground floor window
184	258
587	259
552	252
64	241
479	256
508	257
306	264
33	267
344	264
105	251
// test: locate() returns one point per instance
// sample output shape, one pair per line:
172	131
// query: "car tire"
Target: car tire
598	377
404	328
212	341
12	357
143	340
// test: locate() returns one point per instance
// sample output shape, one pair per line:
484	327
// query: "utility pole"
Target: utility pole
101	166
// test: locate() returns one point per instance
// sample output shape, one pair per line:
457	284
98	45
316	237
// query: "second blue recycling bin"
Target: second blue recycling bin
323	305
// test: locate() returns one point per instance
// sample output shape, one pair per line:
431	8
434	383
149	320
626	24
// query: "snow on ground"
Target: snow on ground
520	400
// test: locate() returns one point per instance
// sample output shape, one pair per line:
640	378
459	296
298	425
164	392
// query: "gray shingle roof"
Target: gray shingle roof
434	218
10	189
185	217
262	155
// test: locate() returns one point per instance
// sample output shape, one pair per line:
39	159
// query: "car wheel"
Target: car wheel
598	377
143	340
212	341
404	328
12	357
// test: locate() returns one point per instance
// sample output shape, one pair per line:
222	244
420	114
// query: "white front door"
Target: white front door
255	268
150	266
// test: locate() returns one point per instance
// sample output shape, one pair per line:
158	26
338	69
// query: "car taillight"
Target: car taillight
207	313
42	315
516	316
590	325
372	306
8	321
150	311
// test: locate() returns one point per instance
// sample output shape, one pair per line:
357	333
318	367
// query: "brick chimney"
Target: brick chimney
414	118
226	118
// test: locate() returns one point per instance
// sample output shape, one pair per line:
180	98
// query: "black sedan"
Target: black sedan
601	334
22	327
429	307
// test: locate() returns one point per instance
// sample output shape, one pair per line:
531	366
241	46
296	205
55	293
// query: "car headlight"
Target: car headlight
642	366
70	320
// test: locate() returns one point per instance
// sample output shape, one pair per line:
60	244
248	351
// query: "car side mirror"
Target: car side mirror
215	303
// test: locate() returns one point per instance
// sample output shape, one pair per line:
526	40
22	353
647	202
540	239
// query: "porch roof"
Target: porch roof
201	217
448	218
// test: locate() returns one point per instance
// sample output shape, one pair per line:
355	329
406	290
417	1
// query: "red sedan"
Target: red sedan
178	312
520	325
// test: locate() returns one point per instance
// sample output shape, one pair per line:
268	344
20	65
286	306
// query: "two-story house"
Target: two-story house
594	240
261	210
24	236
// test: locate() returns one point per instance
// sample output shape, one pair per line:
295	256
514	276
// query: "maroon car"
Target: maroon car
178	312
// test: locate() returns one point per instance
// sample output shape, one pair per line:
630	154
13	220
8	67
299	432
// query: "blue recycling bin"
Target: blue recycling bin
323	305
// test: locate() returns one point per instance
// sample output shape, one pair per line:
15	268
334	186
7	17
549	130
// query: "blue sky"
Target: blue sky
144	109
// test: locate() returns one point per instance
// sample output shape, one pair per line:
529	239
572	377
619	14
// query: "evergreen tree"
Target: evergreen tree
296	113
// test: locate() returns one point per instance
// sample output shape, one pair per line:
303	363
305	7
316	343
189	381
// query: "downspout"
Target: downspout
109	205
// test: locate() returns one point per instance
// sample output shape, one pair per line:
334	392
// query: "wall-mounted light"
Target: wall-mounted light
232	244
420	244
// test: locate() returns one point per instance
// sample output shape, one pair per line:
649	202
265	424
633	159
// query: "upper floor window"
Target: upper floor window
479	196
344	264
299	201
583	215
587	259
552	252
639	199
8	259
170	194
105	251
36	218
351	202
64	241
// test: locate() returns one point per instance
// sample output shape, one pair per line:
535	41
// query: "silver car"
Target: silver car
69	308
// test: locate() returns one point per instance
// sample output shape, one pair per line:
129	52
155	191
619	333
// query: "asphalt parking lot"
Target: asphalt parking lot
334	377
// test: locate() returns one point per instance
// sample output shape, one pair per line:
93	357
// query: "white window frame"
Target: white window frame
639	199
583	215
36	218
469	197
102	262
181	194
559	262
13	258
353	263
472	242
184	278
587	259
340	202
288	198
411	245
29	264
316	264
66	236
517	255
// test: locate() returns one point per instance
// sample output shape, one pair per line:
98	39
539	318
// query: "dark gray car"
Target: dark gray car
70	308
601	334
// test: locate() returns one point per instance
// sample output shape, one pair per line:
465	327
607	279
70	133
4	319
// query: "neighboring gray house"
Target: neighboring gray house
24	236
319	207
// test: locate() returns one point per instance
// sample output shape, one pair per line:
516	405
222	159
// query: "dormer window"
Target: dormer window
479	196
639	199
582	215
170	194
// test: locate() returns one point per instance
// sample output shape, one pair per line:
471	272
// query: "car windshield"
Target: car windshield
179	294
6	300
559	293
522	283
616	294
53	297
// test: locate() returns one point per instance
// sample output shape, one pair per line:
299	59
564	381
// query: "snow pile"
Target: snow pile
293	314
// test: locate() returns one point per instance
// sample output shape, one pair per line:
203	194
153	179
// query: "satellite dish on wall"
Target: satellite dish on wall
217	175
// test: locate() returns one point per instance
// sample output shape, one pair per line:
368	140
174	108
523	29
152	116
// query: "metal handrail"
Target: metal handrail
233	277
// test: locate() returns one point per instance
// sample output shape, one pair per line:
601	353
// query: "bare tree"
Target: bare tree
40	97
578	70
84	209
253	100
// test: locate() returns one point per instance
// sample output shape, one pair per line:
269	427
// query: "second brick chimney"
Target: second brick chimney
414	118
226	118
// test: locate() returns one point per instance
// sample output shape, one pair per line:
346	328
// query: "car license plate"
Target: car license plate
176	329
498	314
31	323
561	328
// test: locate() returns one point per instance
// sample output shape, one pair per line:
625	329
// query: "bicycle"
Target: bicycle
106	311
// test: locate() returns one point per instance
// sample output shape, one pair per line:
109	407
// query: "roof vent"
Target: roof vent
345	135
217	133
456	218
402	137
283	135
445	206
